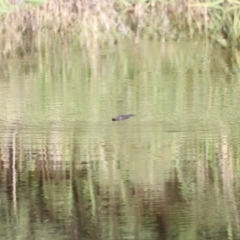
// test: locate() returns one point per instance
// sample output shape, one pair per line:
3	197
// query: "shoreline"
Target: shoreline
108	22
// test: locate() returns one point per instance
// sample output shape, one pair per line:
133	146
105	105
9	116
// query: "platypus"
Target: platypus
122	117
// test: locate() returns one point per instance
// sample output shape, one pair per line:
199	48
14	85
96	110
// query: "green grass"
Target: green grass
28	24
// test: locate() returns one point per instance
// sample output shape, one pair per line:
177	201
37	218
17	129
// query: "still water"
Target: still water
170	172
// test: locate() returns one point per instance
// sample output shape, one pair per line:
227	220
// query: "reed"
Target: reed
28	24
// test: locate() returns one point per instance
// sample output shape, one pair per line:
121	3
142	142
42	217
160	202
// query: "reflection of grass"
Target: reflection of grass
175	159
25	27
72	85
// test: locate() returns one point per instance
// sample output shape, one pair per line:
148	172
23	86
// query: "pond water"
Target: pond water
171	172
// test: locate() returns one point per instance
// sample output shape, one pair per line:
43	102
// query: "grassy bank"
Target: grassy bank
91	23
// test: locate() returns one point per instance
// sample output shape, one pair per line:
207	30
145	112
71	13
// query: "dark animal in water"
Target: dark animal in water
122	117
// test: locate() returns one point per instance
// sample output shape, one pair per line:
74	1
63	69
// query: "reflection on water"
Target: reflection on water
69	172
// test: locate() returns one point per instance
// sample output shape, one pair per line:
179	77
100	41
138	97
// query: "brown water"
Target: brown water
170	172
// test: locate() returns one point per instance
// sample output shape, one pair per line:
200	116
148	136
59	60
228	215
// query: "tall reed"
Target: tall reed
93	23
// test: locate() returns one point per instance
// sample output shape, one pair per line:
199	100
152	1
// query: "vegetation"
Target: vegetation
29	24
176	166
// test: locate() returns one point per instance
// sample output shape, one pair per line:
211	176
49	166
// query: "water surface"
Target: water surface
170	172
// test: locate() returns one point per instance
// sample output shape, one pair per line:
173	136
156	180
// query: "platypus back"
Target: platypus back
122	117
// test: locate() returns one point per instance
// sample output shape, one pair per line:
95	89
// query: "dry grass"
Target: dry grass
106	21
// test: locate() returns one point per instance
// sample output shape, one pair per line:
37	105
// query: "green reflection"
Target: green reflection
69	172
